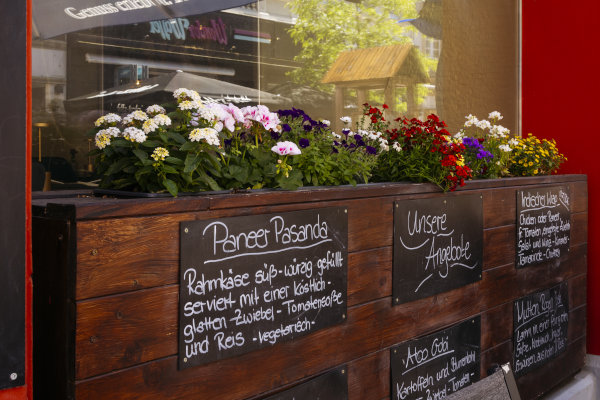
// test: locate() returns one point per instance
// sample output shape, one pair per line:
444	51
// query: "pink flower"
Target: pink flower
285	148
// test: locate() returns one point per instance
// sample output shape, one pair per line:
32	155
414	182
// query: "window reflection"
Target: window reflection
327	57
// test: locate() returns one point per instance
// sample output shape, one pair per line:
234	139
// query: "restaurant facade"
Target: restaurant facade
473	58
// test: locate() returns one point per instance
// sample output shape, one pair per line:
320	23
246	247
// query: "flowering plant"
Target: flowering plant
422	151
488	145
532	156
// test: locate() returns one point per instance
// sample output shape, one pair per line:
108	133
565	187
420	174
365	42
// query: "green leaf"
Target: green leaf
143	171
192	161
210	181
170	170
141	154
174	160
188	146
151	144
118	142
176	137
170	186
117	166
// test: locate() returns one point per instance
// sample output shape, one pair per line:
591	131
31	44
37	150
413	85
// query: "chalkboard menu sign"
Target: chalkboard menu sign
434	366
438	245
543	224
330	386
540	325
254	281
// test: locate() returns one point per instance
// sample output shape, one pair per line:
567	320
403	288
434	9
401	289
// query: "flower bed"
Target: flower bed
201	147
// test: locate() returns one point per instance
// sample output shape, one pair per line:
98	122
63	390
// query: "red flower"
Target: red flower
385	106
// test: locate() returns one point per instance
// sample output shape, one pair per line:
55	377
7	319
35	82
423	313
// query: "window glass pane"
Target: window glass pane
327	57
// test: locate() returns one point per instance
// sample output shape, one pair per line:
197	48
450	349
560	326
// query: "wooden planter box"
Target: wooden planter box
106	290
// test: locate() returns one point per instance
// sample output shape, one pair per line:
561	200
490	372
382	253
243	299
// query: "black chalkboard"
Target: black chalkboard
540	326
543	224
438	245
330	386
254	281
436	365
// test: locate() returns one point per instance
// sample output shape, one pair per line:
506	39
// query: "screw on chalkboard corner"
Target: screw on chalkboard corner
397	205
343	371
60	237
444	201
13	376
346	210
186	230
395	351
472	321
397	300
481	196
343	316
185	360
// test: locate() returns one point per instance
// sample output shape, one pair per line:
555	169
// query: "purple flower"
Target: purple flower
371	150
304	143
308	128
275	135
286	128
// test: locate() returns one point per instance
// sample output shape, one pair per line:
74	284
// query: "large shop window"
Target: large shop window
327	57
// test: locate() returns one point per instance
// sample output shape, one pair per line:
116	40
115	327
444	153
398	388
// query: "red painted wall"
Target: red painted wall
561	100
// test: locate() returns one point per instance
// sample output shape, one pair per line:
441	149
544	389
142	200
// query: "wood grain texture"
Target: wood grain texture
127	293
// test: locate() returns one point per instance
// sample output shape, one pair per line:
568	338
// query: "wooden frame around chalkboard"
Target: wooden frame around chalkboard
105	294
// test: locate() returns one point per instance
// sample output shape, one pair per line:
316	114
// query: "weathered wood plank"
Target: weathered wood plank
499	246
369	377
579	232
496	325
579	194
578	291
500	207
126	254
369	275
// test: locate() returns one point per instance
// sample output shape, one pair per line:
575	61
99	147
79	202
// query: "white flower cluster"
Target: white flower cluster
162	120
107	119
505	148
104	136
137	115
149	126
209	135
346	120
183	94
499	131
155	109
396	146
376	137
495	116
134	135
188	105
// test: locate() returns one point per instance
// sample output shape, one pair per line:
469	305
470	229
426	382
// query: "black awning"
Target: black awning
56	17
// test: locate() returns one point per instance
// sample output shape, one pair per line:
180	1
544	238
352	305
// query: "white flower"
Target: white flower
183	94
505	148
383	145
189	105
209	135
495	115
335	135
134	135
285	148
513	142
162	120
102	139
326	122
149	126
483	124
107	119
396	146
460	135
155	109
111	131
346	120
471	120
137	115
499	131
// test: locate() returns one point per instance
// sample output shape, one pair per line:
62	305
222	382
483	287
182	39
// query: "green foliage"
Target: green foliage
325	28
